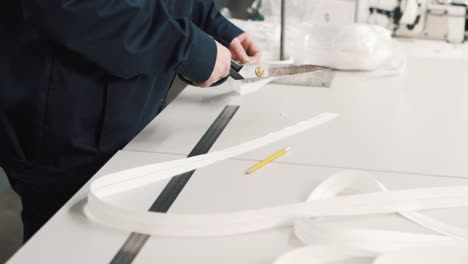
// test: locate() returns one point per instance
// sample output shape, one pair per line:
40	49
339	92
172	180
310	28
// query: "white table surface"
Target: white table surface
69	237
410	131
415	122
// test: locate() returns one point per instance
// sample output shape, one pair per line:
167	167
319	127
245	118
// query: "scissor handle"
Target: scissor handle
190	82
220	81
233	72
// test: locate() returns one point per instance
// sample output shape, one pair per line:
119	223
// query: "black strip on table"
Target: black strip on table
136	241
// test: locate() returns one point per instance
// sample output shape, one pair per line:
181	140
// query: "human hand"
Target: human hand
244	49
221	68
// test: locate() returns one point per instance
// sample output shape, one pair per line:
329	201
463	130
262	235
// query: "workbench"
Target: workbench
408	130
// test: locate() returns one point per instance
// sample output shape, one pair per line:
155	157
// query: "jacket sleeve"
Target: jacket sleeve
127	37
206	16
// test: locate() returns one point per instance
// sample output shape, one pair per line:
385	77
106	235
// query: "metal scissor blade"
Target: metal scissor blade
294	69
265	71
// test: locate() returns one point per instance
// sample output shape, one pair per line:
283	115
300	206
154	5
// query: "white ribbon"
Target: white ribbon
323	202
331	243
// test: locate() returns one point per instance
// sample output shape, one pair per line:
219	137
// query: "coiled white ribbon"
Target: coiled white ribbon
331	244
322	202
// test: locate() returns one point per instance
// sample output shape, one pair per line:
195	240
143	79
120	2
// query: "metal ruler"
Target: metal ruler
322	79
163	203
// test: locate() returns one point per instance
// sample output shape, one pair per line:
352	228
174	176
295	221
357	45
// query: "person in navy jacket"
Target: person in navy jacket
79	79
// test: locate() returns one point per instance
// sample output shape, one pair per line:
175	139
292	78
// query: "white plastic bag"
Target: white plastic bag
352	47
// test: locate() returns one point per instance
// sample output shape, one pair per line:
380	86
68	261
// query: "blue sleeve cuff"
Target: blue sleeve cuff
201	58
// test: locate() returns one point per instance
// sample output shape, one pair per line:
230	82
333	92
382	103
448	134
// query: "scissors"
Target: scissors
257	71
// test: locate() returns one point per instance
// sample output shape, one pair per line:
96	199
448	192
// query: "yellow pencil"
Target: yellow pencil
268	160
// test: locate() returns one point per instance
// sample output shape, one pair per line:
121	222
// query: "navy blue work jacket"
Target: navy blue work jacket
80	78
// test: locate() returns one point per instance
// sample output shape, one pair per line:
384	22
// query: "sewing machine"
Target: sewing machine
431	19
425	19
